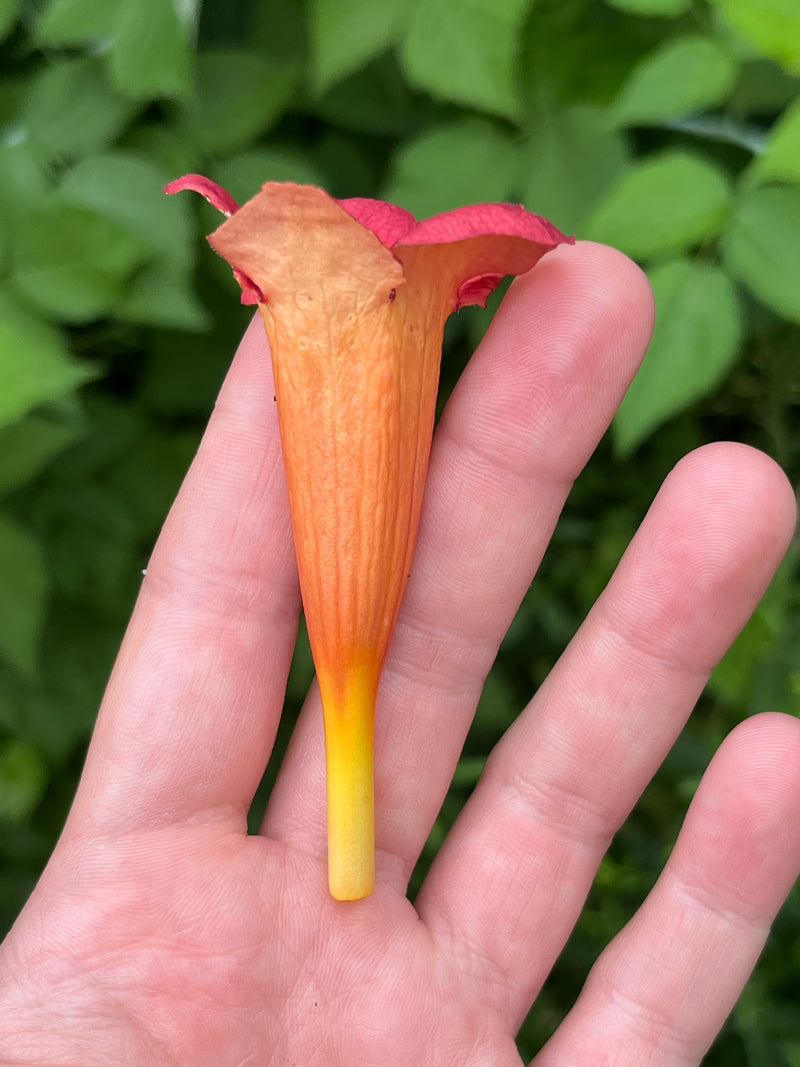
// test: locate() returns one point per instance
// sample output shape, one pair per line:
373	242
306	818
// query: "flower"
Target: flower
354	295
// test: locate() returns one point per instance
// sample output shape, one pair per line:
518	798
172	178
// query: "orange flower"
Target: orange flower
354	295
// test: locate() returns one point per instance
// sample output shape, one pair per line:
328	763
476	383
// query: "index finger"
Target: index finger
192	707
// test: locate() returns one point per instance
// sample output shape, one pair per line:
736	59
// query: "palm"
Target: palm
161	933
204	980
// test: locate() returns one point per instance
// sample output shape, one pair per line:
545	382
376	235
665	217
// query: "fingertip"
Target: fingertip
765	751
558	356
742	834
748	485
704	555
609	283
590	284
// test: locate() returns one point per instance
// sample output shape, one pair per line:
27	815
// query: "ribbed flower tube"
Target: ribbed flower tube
354	295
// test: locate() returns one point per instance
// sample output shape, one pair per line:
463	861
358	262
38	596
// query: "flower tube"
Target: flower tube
354	295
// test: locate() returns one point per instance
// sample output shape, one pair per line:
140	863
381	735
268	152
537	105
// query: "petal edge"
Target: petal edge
481	220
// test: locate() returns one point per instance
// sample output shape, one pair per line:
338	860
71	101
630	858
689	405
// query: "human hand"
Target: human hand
162	934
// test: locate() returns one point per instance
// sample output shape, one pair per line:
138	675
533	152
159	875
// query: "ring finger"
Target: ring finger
567	773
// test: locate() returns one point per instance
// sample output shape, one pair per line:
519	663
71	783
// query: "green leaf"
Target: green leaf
666	203
684	75
576	61
13	87
23	177
760	246
182	377
73	22
244	174
23	777
735	677
164	144
238	96
6	218
277	30
697	337
781	158
467	52
346	34
468	771
23	579
570	163
26	447
652	8
162	295
151	474
128	191
35	366
376	100
763	88
771	26
5	242
93	547
73	263
71	109
466	162
150	55
9	12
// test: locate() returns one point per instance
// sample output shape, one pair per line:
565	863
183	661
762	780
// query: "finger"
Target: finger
661	991
191	710
567	773
521	424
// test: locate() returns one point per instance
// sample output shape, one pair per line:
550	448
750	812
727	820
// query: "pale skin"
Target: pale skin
162	934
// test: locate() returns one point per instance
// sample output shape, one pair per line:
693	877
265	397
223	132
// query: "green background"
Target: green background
670	128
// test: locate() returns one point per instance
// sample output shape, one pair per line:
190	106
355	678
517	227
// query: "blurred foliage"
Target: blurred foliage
670	128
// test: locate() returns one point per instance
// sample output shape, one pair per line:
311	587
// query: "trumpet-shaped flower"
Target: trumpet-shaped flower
354	296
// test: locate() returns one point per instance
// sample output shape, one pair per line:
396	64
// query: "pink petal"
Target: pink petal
477	290
479	220
218	197
251	294
485	242
388	222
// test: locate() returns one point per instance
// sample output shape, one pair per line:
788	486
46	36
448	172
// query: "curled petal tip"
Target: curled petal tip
477	290
218	197
251	294
222	200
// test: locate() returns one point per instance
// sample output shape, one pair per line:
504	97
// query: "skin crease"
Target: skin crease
160	933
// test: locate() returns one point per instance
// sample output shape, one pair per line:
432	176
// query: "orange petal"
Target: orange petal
356	389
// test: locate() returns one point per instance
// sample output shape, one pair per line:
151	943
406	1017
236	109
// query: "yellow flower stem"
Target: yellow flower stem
349	728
